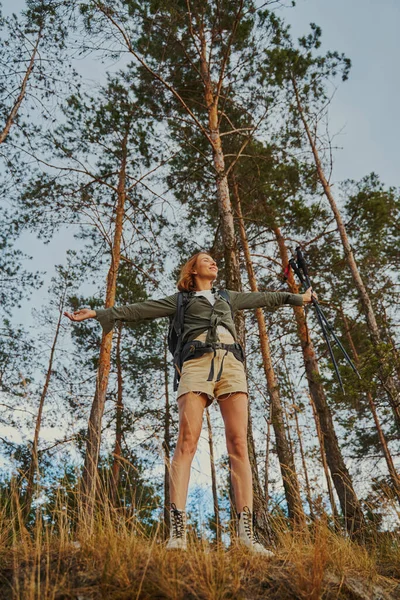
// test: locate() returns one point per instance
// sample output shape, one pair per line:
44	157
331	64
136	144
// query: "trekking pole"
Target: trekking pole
301	270
302	264
306	284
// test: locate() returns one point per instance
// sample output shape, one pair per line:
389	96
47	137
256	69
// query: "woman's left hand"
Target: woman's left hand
308	296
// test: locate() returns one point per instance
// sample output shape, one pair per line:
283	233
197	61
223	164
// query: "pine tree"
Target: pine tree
305	75
111	127
285	454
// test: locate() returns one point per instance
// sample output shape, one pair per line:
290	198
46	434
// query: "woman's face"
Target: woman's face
206	267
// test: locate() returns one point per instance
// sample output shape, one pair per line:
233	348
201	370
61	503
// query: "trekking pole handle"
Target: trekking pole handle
301	261
296	269
304	280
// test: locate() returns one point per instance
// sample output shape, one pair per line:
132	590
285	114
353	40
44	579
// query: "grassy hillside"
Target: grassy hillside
117	560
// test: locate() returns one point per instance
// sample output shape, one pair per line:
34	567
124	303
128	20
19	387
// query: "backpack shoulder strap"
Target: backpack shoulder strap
179	317
183	298
177	327
224	294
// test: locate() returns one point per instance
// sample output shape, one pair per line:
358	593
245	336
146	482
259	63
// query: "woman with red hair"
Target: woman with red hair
212	367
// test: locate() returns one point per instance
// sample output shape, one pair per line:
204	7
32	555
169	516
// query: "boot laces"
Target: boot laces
177	521
256	539
247	522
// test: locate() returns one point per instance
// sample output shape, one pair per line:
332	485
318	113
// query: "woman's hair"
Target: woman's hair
186	281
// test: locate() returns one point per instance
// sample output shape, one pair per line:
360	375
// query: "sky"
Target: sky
363	112
365	108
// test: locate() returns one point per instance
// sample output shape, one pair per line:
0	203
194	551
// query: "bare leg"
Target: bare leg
191	408
234	412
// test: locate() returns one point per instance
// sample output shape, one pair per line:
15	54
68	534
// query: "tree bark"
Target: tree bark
285	456
320	436
90	475
217	521
267	446
116	466
349	502
386	379
224	203
259	502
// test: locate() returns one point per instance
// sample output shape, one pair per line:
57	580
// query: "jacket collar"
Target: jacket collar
213	290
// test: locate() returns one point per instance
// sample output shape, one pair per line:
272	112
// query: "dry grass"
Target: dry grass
116	561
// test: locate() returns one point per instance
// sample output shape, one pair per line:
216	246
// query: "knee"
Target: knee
186	445
237	447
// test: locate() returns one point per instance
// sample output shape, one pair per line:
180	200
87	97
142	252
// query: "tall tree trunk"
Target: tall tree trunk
320	436
93	439
232	508
303	462
116	466
224	203
217	521
14	111
166	444
34	462
259	500
385	377
285	456
286	420
382	439
296	409
233	280
350	505
267	446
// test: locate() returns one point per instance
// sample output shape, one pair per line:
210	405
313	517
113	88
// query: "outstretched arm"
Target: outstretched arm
242	300
132	313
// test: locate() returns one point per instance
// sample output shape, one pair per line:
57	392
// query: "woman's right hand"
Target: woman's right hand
309	295
81	315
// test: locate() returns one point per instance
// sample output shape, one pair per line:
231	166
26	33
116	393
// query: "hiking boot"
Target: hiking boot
177	540
247	535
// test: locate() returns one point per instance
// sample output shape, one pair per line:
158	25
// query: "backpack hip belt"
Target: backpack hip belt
196	349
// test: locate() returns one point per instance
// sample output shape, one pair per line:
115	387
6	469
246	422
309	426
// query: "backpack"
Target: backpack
175	331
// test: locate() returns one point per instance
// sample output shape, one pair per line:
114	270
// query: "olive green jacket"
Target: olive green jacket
200	315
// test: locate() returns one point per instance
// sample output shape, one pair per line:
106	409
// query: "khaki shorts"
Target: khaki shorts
195	372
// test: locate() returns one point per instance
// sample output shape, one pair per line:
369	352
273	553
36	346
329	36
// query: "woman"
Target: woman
209	319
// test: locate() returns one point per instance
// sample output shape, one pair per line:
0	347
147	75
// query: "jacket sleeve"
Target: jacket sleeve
241	300
140	311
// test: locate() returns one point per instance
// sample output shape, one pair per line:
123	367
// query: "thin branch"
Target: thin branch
228	51
169	87
236	131
245	144
22	93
